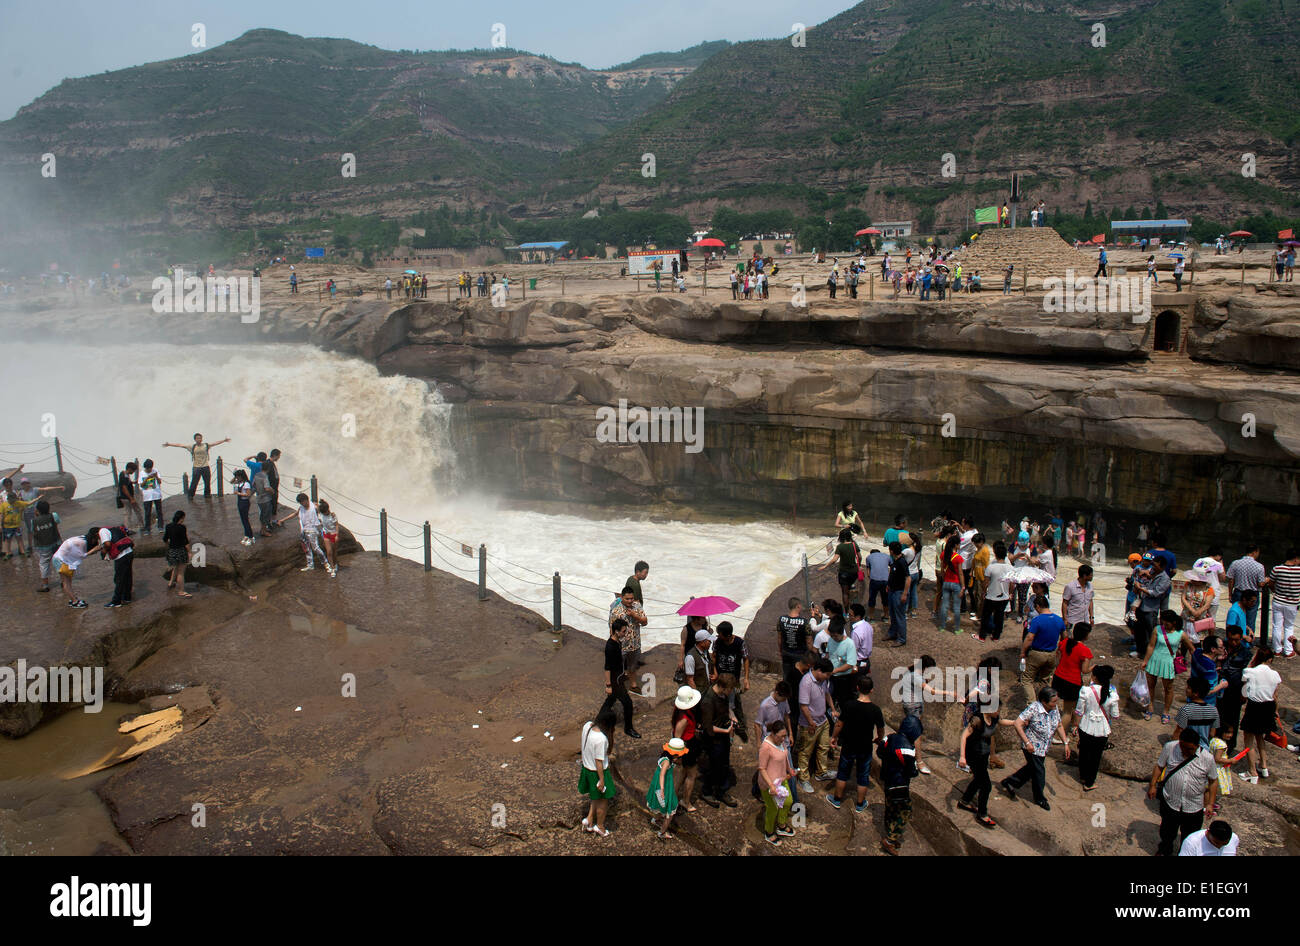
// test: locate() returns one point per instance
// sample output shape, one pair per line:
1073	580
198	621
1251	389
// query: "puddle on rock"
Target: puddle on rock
328	629
66	746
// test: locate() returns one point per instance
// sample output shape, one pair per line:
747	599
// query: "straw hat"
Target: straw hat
675	746
686	697
1195	574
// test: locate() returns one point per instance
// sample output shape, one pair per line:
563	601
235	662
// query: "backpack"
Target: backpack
119	541
45	530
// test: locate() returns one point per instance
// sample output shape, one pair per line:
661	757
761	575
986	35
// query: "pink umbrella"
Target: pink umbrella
706	606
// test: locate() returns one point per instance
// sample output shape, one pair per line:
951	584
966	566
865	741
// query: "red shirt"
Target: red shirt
953	572
1070	666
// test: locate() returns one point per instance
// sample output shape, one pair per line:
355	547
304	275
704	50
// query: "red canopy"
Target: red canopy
711	241
871	230
1287	234
1240	233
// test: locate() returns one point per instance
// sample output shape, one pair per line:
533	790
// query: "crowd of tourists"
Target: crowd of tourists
819	721
32	528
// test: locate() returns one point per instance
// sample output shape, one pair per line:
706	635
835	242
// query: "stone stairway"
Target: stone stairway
1040	251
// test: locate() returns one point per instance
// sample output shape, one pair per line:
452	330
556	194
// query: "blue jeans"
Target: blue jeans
950	599
912	592
897	617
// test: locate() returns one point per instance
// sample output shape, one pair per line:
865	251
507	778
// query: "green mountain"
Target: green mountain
863	113
254	131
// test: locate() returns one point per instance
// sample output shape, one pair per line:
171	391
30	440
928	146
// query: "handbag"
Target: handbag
1180	665
1277	737
1203	625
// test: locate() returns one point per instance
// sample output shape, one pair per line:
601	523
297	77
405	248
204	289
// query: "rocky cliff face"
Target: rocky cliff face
990	402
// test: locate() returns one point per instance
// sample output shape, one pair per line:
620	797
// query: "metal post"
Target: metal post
313	487
523	286
1024	281
428	548
185	483
706	277
58	454
561	285
112	461
807	587
1264	597
448	288
383	533
555	598
221	488
482	573
871	279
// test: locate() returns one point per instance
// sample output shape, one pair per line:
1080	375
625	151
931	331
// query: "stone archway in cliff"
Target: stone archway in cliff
1168	332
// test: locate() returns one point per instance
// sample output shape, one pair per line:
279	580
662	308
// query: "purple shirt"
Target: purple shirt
862	639
813	694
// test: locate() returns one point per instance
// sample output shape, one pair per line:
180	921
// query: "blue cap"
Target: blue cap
1024	537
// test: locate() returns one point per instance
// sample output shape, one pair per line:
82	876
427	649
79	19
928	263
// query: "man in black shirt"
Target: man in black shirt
715	729
616	677
855	733
731	655
792	639
900	581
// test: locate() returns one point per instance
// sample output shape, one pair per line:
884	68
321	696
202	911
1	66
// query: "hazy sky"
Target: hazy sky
42	43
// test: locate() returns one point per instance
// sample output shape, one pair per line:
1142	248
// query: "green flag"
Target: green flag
986	215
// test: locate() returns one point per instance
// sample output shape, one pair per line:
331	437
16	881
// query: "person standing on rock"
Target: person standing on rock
639	573
1246	575
616	677
309	525
1101	264
897	769
1038	649
854	735
1098	704
975	747
1285	581
127	500
636	619
243	491
685	726
731	656
815	709
996	595
329	537
1186	782
847	565
388	286
900	585
1036	724
115	545
1259	683
595	781
199	458
272	468
1158	662
661	795
715	730
178	552
774	774
792	642
262	495
45	540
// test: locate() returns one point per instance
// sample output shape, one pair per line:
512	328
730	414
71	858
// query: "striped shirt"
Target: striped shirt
1246	574
1286	584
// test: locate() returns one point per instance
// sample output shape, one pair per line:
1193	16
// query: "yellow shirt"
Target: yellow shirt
981	558
11	514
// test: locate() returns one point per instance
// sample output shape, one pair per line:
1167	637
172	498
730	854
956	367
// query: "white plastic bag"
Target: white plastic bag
1139	692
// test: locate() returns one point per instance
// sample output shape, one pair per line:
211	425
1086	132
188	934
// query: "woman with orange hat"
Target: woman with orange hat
661	796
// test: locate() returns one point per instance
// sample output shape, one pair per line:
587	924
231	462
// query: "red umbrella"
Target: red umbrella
711	241
706	606
871	230
1240	233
